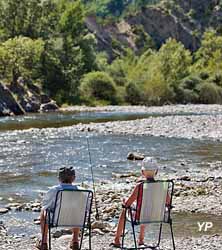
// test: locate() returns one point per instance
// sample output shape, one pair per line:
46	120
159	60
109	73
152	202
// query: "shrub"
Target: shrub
98	86
190	82
133	94
190	96
209	93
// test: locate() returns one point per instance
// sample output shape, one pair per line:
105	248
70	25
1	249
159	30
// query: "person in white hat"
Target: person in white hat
149	170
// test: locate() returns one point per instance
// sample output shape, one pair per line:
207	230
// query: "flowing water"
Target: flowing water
29	159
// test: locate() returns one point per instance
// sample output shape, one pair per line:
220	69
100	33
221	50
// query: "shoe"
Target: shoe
41	246
74	245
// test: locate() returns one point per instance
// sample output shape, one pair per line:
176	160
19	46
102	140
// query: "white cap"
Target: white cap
149	163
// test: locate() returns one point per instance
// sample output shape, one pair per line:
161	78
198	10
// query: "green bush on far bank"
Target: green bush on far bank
98	87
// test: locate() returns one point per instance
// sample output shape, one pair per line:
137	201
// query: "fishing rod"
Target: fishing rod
92	174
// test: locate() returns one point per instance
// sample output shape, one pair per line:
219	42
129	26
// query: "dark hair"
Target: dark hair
66	174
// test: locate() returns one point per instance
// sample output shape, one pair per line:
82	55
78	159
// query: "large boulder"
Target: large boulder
30	105
31	97
8	104
48	107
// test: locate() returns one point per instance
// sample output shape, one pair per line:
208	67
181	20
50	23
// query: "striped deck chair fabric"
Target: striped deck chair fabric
72	209
153	205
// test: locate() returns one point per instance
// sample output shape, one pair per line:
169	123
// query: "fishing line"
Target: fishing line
93	181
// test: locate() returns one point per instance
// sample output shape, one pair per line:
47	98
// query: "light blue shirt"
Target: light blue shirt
50	197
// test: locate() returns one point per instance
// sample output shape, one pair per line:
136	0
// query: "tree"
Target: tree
209	55
30	18
21	57
175	61
77	55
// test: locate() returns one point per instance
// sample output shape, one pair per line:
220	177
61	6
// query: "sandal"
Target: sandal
41	246
74	245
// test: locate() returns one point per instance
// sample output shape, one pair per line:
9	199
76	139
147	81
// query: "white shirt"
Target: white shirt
48	201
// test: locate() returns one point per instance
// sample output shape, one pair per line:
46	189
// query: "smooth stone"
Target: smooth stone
3	210
135	156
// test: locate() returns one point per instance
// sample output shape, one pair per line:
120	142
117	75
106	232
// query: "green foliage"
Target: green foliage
121	68
143	40
158	73
73	56
209	55
20	56
72	19
98	86
186	92
30	18
105	8
175	61
102	61
210	93
47	41
116	8
133	94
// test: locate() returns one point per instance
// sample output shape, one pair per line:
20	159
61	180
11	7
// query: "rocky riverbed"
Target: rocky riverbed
192	195
190	127
167	109
176	121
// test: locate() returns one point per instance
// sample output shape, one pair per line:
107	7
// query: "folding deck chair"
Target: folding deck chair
154	204
72	209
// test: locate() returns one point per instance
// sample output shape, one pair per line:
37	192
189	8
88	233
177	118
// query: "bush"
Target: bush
190	82
189	96
209	93
98	86
133	94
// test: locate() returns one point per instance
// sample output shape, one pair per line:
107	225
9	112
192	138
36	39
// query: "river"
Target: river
33	147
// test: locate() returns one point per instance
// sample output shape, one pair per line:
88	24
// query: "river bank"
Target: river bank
180	121
193	198
166	109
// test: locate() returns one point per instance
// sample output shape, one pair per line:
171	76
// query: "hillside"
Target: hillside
183	20
101	52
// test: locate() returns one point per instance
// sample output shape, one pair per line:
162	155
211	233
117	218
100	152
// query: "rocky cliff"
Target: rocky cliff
184	20
21	97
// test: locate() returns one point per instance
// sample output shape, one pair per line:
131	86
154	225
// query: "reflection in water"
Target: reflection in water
61	119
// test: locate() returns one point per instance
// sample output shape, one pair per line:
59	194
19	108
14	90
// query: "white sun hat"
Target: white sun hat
149	163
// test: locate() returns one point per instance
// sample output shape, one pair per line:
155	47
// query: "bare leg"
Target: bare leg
42	223
142	234
120	226
75	234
